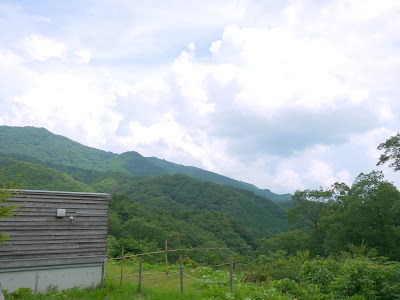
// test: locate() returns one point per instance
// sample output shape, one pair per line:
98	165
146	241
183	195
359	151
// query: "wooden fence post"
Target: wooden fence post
181	272
216	256
231	271
103	272
140	273
166	258
122	265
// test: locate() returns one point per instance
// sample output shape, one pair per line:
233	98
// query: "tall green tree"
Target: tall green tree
7	190
368	212
392	152
307	212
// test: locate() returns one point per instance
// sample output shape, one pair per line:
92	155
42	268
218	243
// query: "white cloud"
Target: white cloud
84	56
41	48
279	69
289	179
68	104
286	95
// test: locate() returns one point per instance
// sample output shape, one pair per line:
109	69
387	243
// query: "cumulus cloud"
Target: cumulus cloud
41	48
288	95
71	104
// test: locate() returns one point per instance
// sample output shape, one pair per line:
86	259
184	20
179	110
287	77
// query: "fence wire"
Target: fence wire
132	277
205	281
167	275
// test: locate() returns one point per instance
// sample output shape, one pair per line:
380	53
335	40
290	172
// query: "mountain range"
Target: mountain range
156	200
40	146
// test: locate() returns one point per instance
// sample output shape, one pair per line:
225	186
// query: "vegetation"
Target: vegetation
392	152
358	273
38	145
180	192
336	243
8	188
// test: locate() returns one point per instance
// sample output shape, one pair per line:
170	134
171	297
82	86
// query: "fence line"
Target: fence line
140	275
205	281
174	250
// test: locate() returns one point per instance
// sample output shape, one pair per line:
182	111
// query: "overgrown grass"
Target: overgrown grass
359	274
160	288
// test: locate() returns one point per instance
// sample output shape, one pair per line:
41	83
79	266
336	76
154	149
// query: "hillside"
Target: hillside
179	192
147	210
36	177
41	144
167	192
38	145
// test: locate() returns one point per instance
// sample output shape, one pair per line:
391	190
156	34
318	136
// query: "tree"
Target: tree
375	204
367	212
392	152
7	190
307	211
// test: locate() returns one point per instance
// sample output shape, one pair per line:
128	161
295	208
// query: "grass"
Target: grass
161	288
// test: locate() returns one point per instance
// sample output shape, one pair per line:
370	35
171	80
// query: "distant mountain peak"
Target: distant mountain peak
41	144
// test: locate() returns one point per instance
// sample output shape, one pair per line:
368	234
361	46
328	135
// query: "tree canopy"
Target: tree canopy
391	153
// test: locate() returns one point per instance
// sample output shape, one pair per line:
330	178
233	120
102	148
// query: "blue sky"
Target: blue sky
285	95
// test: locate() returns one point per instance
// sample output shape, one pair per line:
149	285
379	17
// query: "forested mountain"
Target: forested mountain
43	147
167	192
347	233
179	192
154	201
46	146
37	177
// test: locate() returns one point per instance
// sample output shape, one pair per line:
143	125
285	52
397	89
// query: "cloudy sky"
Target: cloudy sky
283	94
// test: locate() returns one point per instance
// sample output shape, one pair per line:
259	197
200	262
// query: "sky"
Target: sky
285	95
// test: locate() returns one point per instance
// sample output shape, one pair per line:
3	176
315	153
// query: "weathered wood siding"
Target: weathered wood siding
39	238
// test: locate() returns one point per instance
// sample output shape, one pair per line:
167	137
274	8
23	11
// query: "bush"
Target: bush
277	265
354	276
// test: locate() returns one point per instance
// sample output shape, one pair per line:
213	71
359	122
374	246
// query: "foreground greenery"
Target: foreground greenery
358	273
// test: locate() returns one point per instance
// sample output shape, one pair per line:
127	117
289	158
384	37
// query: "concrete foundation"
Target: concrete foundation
40	280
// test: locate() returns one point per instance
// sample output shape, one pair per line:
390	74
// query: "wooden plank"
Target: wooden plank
51	242
57	201
63	193
62	222
49	253
52	213
49	261
59	232
25	219
54	209
47	246
52	217
27	197
13	229
41	205
61	237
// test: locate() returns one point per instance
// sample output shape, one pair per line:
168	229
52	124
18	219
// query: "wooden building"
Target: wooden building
56	239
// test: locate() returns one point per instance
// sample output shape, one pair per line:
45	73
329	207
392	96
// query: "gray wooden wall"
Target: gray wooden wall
39	238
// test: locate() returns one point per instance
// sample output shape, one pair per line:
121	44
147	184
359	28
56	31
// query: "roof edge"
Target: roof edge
59	192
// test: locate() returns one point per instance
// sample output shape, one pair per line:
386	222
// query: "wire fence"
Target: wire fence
140	276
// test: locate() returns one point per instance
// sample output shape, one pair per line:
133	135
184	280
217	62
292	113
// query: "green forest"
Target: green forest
342	242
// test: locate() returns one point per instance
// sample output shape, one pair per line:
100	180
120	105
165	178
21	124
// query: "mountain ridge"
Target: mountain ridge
42	145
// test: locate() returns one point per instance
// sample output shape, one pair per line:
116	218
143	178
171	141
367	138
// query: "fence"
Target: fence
167	274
